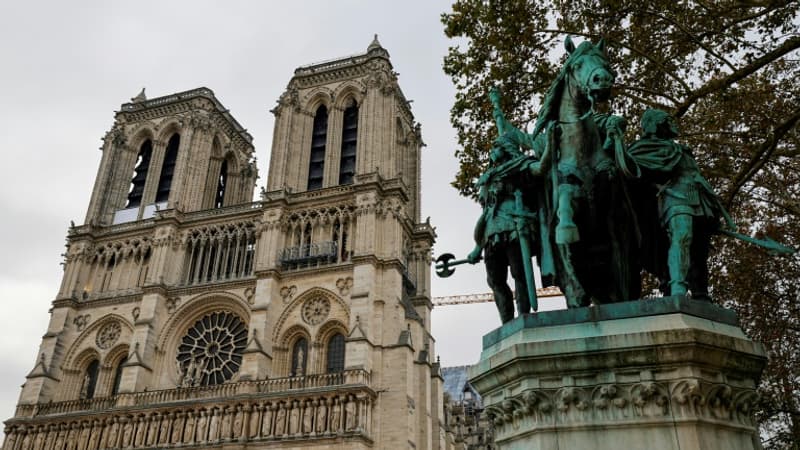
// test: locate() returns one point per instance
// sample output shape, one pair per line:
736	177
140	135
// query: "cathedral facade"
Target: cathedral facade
191	316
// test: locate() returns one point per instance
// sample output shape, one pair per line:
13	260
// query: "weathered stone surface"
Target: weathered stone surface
661	374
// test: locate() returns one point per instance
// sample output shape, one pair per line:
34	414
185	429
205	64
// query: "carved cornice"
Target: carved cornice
200	98
114	298
240	283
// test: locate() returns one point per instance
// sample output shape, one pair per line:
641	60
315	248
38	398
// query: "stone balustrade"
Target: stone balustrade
356	377
321	407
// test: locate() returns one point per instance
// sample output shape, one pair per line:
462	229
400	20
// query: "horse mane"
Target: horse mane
550	105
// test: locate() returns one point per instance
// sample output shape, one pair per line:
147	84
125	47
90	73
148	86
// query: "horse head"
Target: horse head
589	69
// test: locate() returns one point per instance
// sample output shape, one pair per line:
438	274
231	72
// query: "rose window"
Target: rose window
211	351
108	335
316	310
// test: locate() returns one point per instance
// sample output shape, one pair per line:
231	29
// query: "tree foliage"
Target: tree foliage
729	71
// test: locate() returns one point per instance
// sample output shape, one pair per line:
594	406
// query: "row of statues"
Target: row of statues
298	418
593	211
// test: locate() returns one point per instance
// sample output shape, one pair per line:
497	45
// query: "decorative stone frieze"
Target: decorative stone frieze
300	416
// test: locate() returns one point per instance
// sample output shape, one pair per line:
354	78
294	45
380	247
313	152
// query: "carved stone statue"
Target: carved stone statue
280	421
163	433
336	416
152	429
94	437
201	428
177	428
308	417
127	432
266	420
238	421
294	419
141	431
85	387
83	436
40	434
350	415
188	428
322	413
26	441
213	427
255	417
299	367
226	423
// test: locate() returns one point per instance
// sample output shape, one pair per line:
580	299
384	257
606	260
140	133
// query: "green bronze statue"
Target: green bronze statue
504	231
585	218
593	211
688	208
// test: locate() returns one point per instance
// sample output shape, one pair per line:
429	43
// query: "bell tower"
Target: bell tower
342	212
184	151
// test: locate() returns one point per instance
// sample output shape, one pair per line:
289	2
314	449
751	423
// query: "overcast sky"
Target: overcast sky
67	66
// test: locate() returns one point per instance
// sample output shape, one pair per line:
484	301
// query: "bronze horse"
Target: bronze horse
587	227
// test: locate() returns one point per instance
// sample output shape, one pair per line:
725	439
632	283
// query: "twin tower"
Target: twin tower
191	316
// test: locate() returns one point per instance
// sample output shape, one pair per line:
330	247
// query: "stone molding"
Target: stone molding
685	399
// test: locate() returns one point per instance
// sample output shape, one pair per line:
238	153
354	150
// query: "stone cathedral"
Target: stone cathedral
191	316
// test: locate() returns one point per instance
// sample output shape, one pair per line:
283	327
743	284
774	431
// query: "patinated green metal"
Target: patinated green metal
592	210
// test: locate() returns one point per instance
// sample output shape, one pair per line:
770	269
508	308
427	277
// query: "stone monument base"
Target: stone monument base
667	373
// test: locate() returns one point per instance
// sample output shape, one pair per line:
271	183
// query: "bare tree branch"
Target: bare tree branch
716	84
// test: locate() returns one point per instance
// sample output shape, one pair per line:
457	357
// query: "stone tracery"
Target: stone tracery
211	351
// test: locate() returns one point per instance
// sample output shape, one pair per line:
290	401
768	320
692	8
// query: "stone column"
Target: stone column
666	374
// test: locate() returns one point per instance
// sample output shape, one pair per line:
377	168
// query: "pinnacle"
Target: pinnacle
374	44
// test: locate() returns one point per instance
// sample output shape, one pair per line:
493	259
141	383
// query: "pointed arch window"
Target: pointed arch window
90	380
118	375
299	357
319	134
168	168
335	360
140	174
222	183
347	162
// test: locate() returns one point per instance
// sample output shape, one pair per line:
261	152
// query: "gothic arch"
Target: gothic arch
328	329
108	369
83	359
321	341
85	341
74	372
217	146
318	96
347	90
284	351
140	133
168	128
291	335
337	305
190	311
233	161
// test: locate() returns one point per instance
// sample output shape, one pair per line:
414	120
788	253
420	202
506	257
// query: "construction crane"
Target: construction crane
551	291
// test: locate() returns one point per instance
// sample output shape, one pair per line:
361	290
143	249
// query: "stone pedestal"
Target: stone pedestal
667	373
